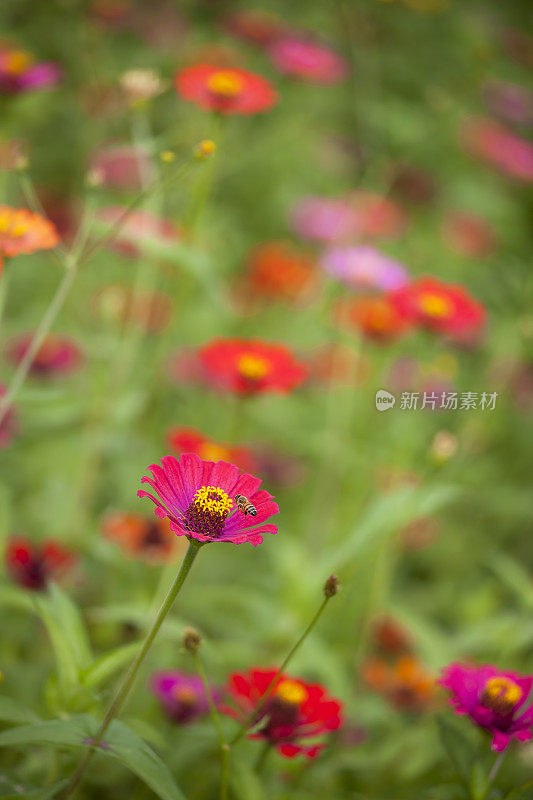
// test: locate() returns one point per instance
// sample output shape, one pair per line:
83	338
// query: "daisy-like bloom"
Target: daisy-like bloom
227	90
404	682
58	355
442	307
513	103
122	166
149	311
23	232
136	228
375	317
142	537
279	271
9	424
198	497
503	149
494	699
324	219
32	564
181	695
307	60
295	710
469	234
251	366
189	440
363	267
378	217
19	73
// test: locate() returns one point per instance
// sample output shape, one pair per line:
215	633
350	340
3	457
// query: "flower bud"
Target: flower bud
331	586
191	640
167	156
205	149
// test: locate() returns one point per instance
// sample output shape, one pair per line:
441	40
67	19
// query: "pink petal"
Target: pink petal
224	476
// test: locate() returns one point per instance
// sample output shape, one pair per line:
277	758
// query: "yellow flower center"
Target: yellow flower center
11	224
225	83
213	500
501	694
17	62
291	692
435	305
210	451
253	367
185	695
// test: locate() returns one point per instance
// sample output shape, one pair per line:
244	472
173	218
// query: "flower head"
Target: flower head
325	219
32	564
294	711
469	234
181	695
142	537
279	271
23	232
445	308
511	102
503	149
58	355
363	267
19	72
136	228
198	497
251	366
122	166
307	60
189	440
378	217
494	699
375	317
254	25
228	90
404	682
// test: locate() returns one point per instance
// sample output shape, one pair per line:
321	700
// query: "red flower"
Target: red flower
445	308
24	232
188	440
405	683
279	271
228	90
295	710
57	355
376	317
32	565
251	366
469	234
377	216
503	149
142	537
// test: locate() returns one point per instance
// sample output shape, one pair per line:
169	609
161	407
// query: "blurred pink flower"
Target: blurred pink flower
363	267
504	150
135	228
19	73
469	234
58	355
508	100
182	696
123	167
325	219
305	59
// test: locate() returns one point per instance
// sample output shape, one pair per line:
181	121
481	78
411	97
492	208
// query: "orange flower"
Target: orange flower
188	440
227	90
21	231
405	683
142	537
375	317
279	271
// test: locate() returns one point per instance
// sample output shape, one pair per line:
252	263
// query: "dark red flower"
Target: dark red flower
57	355
149	539
469	234
32	564
228	90
251	366
279	271
405	683
294	711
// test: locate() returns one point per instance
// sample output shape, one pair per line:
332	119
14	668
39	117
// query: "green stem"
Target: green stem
131	674
224	747
496	768
262	758
224	771
272	685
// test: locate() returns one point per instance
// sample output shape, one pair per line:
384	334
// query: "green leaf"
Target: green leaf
11	711
244	782
67	670
479	782
122	744
457	746
103	667
68	615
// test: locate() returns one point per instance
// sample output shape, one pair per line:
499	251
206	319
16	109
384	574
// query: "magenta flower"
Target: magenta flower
302	58
511	102
182	696
495	700
19	73
496	144
364	267
198	497
326	219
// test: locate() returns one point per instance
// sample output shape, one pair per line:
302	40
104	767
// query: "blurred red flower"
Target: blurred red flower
122	166
251	366
254	25
438	306
149	539
227	90
503	149
377	216
189	440
23	232
57	355
294	711
32	564
277	270
469	234
405	683
375	317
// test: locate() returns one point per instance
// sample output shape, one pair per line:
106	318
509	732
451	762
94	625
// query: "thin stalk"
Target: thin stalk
129	678
250	719
262	758
224	747
496	766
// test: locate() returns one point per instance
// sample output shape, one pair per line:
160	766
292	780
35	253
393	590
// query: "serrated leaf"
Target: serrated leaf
11	711
105	666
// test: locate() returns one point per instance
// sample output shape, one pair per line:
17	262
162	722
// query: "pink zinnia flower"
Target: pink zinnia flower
326	219
58	355
307	60
494	699
19	73
122	166
364	267
198	497
182	696
503	149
